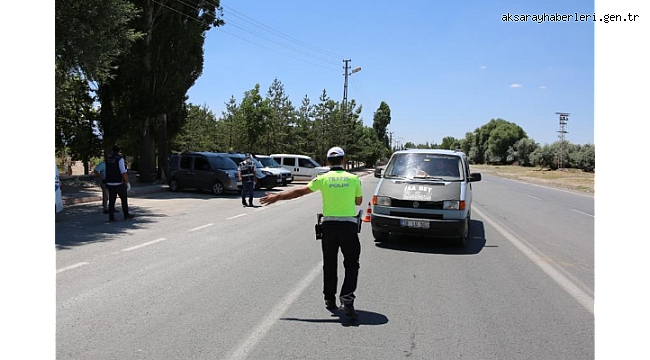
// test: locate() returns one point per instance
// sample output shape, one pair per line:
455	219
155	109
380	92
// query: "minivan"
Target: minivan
215	172
301	166
426	193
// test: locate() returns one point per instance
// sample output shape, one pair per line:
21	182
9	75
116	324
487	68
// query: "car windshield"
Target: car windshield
424	166
269	162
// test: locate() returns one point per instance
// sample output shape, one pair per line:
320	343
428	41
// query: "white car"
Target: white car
286	177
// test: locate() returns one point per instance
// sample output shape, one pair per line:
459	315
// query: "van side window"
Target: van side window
290	161
201	164
186	162
305	163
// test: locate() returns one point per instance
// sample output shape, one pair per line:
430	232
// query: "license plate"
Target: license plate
418	224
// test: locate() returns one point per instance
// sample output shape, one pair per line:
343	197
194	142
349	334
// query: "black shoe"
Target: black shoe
349	311
330	304
112	220
105	211
250	204
244	203
129	217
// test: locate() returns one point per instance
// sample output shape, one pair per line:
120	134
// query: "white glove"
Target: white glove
128	186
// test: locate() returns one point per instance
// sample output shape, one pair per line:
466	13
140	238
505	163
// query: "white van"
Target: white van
303	167
425	193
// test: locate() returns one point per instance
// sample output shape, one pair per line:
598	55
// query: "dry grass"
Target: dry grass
571	179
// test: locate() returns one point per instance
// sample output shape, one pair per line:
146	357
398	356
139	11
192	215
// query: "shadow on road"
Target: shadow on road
364	318
475	243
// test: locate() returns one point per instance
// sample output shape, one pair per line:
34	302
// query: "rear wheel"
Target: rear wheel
173	185
217	188
379	236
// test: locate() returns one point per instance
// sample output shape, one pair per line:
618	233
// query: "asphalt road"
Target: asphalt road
200	277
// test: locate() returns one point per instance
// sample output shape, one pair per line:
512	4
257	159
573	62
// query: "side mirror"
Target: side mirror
378	171
473	177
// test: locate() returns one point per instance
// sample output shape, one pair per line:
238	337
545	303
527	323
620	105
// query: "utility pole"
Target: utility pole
564	118
345	87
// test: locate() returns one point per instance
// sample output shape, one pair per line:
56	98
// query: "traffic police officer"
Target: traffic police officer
246	174
340	192
117	182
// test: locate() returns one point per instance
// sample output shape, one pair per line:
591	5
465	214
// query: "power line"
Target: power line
270	29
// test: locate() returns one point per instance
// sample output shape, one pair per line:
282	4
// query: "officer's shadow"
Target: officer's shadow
337	316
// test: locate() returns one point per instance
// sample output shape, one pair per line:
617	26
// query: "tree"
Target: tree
380	121
199	133
254	110
91	34
521	150
75	118
152	80
498	136
544	156
281	117
449	143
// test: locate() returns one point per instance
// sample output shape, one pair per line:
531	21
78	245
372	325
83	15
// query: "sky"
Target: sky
444	68
408	74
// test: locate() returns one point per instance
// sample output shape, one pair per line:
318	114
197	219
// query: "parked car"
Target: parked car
286	177
301	166
265	178
202	171
426	193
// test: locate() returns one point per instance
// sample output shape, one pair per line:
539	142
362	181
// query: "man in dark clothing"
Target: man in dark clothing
246	174
117	182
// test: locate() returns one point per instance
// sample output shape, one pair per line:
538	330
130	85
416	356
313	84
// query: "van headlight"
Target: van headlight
383	201
451	205
267	173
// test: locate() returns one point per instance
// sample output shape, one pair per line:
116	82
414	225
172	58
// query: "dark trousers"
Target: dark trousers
113	193
340	234
105	195
247	188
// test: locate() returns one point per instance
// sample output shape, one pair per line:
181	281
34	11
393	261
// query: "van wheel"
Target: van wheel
379	236
257	186
173	185
217	188
462	240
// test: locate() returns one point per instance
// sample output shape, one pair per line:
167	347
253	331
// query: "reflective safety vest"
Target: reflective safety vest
247	171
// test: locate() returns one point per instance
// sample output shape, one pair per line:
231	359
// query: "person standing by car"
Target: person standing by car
341	193
117	182
246	174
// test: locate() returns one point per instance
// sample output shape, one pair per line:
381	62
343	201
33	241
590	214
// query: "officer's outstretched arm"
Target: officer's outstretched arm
270	198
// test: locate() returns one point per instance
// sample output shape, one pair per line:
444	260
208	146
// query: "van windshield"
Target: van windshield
424	166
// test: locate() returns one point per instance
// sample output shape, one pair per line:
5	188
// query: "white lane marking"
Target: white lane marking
73	266
244	347
534	197
143	245
583	213
200	227
543	263
236	216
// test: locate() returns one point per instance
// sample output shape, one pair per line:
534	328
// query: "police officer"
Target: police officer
117	182
340	192
246	174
